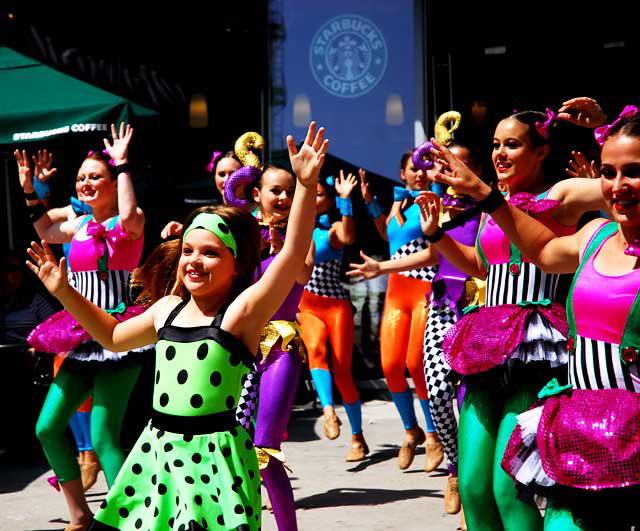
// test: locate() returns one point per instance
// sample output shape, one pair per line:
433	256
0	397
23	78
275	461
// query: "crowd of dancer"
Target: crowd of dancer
250	289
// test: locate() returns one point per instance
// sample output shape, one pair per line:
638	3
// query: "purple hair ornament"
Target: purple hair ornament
251	167
601	133
421	156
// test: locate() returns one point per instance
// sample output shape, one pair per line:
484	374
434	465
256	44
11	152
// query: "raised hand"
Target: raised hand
42	165
173	228
457	174
119	150
51	273
582	111
24	170
429	204
364	186
579	166
370	268
345	185
307	161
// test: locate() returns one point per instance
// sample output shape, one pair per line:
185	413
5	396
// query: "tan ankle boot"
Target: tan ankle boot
89	469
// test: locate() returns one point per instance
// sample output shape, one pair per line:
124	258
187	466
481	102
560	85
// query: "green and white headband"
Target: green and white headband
215	224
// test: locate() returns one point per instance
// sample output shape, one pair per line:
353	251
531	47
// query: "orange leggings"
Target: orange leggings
402	333
322	317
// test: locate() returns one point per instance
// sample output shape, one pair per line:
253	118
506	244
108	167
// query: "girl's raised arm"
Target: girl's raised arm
105	329
247	315
131	216
53	230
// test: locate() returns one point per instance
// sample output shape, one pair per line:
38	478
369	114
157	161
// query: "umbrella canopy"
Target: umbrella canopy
38	102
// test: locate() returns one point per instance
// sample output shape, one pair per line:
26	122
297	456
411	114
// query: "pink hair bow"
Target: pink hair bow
529	203
601	133
214	159
544	128
111	161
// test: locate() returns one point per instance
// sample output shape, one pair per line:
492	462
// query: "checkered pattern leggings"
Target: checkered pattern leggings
441	390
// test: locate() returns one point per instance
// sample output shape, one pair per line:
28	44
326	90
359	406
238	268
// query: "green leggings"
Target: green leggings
488	494
111	388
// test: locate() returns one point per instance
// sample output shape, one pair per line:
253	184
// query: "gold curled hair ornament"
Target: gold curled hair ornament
446	124
244	146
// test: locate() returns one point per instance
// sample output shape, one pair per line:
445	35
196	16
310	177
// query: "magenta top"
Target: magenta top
88	246
601	303
496	245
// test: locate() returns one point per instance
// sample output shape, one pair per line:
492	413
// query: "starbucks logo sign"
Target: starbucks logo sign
348	56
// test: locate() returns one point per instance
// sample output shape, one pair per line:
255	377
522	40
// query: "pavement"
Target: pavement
330	493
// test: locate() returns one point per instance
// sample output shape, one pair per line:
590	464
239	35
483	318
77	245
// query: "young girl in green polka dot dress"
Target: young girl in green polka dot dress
194	467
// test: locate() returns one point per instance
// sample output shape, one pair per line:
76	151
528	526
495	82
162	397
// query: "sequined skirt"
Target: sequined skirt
583	439
62	333
499	335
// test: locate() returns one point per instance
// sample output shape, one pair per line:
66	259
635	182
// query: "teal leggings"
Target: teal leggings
488	494
111	388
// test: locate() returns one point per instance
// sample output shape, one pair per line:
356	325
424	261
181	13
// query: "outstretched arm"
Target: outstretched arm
105	329
255	306
131	216
371	268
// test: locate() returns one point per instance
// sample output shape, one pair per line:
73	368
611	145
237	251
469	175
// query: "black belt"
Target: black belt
223	421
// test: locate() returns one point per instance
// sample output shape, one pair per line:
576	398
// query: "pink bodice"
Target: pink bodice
601	303
496	246
88	246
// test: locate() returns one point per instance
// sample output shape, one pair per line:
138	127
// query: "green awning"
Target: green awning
38	102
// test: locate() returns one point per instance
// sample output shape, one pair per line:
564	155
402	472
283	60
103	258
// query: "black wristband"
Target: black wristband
36	212
121	168
492	202
30	196
436	236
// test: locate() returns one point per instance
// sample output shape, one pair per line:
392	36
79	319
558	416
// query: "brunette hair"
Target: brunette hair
257	183
155	278
246	232
405	157
105	158
626	126
530	118
228	155
330	190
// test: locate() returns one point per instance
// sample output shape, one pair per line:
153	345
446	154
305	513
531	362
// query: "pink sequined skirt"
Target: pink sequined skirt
62	333
489	337
584	439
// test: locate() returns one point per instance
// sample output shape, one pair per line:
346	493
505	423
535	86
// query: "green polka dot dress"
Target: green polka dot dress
193	468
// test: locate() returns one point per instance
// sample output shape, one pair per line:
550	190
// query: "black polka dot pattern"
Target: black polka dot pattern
203	351
196	401
197	378
215	378
222	227
170	353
